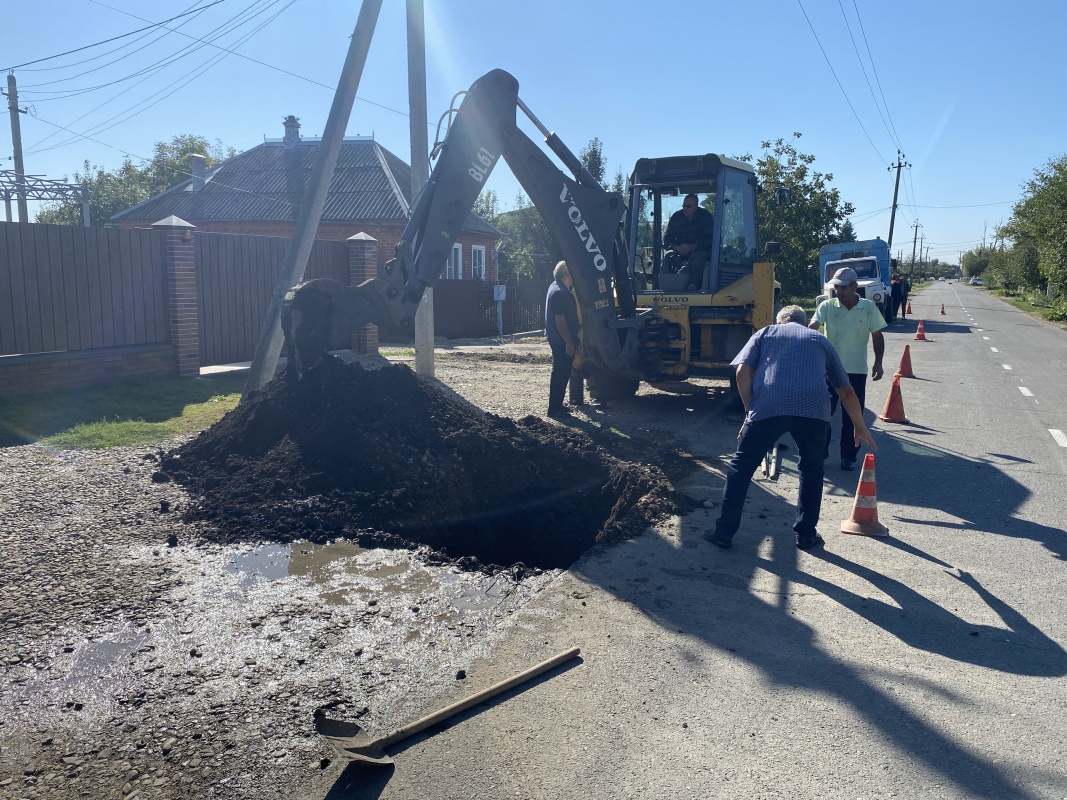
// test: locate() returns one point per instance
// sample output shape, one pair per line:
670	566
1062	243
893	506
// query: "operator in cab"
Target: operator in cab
688	241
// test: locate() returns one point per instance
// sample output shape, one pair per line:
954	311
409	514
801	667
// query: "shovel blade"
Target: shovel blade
351	741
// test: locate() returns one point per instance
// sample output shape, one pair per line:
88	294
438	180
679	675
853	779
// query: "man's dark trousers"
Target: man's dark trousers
561	374
849	450
756	439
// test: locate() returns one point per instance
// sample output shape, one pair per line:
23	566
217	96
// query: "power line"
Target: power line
105	41
874	69
268	66
166	61
863	69
839	86
195	72
83	73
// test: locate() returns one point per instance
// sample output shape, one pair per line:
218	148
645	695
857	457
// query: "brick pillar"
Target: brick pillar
179	267
362	266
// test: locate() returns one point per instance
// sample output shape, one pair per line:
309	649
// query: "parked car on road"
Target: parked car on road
977	282
941	279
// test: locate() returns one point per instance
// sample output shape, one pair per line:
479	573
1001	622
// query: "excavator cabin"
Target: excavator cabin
696	327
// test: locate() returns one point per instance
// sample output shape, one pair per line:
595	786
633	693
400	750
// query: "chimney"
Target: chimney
199	168
292	130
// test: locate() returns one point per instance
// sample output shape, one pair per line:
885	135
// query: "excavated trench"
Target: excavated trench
386	458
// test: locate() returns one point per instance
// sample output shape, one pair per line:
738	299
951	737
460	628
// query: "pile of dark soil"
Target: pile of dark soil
388	458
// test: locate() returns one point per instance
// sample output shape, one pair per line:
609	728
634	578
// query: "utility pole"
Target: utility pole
265	361
420	168
922	260
914	241
896	189
16	144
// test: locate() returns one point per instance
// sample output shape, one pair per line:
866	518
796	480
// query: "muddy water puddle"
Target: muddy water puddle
344	571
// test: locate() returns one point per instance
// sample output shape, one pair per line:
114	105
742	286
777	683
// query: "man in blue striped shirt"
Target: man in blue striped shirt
781	376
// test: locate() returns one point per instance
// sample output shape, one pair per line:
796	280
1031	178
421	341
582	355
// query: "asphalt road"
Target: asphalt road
927	665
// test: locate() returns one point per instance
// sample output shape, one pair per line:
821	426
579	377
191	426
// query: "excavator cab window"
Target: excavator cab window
737	240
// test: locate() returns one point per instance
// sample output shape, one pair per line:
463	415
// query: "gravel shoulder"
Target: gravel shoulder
139	662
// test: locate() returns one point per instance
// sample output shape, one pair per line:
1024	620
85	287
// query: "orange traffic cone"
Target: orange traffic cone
904	370
942	309
908	309
920	333
864	519
894	404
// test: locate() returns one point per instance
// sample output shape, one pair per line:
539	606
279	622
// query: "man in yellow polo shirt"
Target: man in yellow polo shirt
850	320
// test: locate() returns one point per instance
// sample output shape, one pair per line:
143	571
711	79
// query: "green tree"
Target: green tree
846	233
487	205
592	158
810	221
1038	227
112	191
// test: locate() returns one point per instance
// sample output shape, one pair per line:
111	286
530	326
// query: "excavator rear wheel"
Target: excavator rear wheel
606	387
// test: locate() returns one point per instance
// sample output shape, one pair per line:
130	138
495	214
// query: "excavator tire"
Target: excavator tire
606	387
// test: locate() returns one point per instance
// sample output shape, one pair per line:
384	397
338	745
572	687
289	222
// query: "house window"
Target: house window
478	262
454	270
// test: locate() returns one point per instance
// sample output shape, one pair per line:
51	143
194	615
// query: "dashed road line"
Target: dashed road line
1059	436
986	338
1026	392
994	349
1006	366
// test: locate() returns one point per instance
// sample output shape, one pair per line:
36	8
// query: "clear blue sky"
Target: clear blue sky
972	89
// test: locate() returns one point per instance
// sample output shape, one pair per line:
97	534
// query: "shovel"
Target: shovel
355	744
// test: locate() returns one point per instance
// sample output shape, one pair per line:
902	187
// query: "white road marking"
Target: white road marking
980	330
1059	436
994	349
1026	392
1006	366
986	338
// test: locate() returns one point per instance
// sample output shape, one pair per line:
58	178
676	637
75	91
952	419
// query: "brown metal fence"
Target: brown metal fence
71	288
236	276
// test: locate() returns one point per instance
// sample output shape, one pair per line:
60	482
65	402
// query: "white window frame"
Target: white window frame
454	268
475	250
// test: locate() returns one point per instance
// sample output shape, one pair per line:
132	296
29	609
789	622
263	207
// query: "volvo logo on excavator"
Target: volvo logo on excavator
582	229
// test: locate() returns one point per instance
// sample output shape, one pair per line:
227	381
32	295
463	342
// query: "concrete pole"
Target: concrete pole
87	219
269	348
420	168
16	145
893	213
914	241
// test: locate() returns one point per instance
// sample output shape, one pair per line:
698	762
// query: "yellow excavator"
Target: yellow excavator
640	320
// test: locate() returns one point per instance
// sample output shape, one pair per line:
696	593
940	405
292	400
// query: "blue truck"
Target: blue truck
870	258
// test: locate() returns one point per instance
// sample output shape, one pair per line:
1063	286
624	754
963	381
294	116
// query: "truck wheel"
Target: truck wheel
606	387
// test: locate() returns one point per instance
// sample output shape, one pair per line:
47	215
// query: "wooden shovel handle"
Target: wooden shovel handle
497	688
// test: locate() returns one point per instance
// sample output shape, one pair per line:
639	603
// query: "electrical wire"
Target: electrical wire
875	71
83	73
166	61
272	66
863	69
196	72
839	86
97	44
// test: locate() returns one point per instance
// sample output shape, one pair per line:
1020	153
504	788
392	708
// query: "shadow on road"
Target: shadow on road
728	609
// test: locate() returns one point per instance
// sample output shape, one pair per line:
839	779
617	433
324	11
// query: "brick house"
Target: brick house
260	190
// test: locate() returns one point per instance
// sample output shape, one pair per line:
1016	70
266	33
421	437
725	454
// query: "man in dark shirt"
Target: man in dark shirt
561	330
688	240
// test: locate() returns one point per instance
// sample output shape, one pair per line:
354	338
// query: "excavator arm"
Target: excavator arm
582	216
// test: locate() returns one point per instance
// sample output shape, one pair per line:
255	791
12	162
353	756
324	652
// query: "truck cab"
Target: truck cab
870	259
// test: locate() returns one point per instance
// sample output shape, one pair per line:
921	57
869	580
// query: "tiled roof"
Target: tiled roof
267	183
